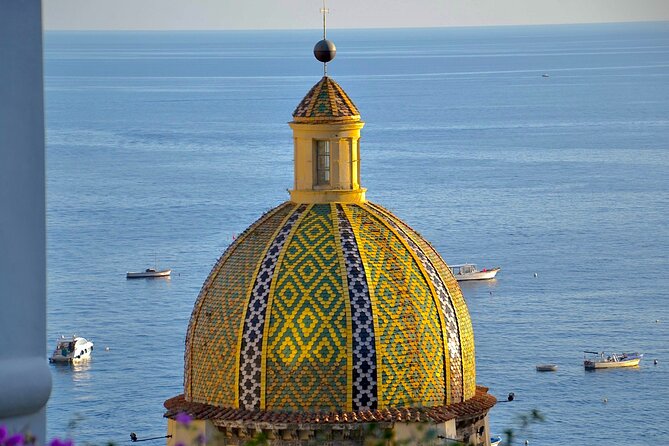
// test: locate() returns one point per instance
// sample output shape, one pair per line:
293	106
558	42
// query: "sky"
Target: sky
304	14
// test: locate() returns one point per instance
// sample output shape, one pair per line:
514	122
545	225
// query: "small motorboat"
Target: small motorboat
72	349
468	271
545	75
602	360
149	272
547	367
495	441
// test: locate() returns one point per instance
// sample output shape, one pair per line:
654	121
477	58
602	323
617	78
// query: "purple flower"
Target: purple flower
15	440
59	442
184	418
3	434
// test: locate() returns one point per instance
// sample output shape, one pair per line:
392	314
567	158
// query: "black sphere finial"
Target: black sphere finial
325	50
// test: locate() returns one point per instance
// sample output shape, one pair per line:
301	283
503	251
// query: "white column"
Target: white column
24	371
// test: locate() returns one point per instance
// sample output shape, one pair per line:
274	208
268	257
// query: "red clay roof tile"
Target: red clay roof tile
478	405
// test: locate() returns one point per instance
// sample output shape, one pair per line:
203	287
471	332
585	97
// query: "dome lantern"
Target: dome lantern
326	136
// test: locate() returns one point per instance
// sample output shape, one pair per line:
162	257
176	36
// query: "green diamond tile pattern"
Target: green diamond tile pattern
306	356
309	362
465	329
409	343
211	353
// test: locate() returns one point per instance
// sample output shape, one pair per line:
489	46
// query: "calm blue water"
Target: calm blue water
164	145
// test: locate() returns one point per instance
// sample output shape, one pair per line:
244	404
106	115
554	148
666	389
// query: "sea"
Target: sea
540	149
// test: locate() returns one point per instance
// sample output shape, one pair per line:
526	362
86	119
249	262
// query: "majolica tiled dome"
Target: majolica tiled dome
329	308
326	101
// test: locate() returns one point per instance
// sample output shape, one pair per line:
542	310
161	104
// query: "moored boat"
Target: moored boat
495	441
601	360
149	272
547	367
72	349
468	271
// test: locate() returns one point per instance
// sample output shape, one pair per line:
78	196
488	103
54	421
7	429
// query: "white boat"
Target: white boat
72	349
495	441
468	271
601	360
149	272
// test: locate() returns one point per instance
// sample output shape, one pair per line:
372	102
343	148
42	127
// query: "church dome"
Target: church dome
330	311
334	307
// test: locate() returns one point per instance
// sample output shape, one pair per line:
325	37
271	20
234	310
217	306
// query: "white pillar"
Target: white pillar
24	371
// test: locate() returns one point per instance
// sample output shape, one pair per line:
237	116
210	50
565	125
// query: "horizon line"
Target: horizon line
503	25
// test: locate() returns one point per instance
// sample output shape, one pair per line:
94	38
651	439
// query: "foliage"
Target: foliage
525	421
10	440
373	434
26	439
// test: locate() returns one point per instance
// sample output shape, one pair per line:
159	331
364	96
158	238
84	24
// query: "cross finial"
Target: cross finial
325	51
324	11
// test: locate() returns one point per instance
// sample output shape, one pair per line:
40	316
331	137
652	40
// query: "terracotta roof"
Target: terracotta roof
326	101
222	416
